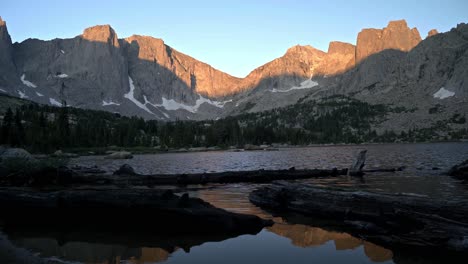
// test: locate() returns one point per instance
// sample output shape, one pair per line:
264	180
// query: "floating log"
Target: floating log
391	220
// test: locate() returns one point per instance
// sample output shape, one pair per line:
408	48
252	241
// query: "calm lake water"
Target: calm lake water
287	241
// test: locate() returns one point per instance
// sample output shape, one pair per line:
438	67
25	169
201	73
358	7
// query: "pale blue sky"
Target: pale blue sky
233	36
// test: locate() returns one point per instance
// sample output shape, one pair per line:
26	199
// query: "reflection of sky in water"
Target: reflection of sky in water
265	247
268	247
282	243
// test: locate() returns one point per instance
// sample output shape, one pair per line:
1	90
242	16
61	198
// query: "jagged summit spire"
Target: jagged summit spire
432	32
101	33
397	24
298	48
397	35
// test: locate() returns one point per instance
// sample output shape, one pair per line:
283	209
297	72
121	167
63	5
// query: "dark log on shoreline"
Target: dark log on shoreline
392	220
256	176
125	176
121	209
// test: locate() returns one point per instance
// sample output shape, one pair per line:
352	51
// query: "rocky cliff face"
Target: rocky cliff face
7	65
432	75
83	71
397	35
172	72
339	59
392	66
143	76
299	63
134	76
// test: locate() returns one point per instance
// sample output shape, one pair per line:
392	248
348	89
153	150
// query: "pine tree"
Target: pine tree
63	126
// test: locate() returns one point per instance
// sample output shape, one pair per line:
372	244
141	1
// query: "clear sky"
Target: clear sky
233	36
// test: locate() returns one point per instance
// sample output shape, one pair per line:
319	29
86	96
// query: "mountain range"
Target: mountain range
141	75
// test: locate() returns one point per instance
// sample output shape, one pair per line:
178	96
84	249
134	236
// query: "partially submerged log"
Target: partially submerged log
356	168
120	209
391	220
126	176
256	176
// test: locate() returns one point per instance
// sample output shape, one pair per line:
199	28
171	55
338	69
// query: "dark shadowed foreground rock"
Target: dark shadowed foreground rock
121	209
460	171
392	220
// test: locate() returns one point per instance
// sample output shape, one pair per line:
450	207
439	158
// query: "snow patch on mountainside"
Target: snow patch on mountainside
22	95
443	93
131	96
63	52
54	102
3	91
63	75
166	115
39	94
169	104
26	82
307	84
172	105
105	103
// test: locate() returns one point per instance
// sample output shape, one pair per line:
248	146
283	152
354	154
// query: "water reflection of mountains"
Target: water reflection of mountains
105	247
301	235
93	252
307	236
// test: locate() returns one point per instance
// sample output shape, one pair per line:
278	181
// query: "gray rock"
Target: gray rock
460	171
125	170
16	153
